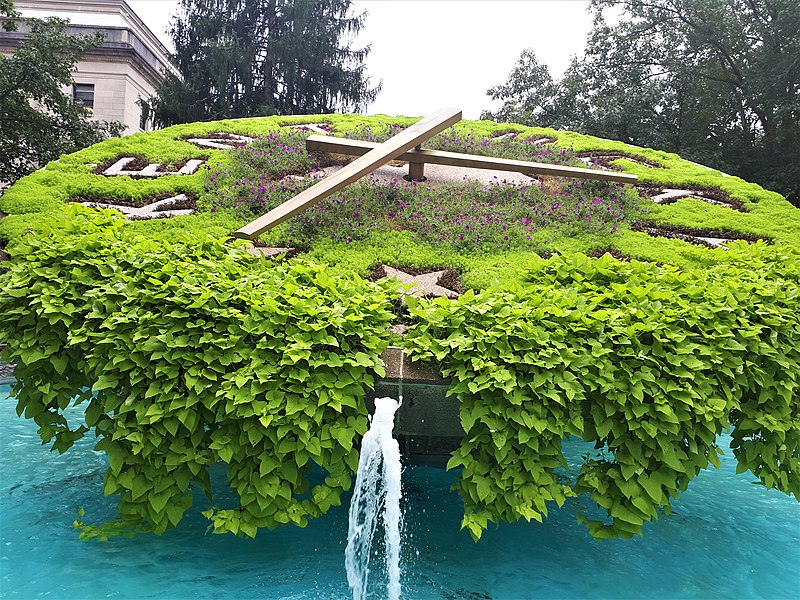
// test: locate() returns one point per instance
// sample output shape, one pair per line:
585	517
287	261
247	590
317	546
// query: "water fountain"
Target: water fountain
377	485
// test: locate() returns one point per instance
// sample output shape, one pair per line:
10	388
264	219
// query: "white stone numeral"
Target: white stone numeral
151	170
150	211
220	143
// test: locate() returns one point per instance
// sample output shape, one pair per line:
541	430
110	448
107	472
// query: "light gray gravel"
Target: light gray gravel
441	175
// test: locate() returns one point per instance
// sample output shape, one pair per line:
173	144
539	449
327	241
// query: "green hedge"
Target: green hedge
650	363
189	354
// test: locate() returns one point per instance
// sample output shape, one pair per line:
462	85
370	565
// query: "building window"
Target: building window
83	94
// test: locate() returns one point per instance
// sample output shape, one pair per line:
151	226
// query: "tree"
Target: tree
8	15
527	94
38	122
730	77
715	80
242	58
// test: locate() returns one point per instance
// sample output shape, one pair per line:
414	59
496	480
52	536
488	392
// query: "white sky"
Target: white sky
436	53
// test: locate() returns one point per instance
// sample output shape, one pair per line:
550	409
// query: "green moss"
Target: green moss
777	221
218	226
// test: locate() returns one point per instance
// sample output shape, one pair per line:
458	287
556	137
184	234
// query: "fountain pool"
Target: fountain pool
725	539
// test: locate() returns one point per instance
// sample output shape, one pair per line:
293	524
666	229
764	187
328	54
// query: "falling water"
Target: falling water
377	485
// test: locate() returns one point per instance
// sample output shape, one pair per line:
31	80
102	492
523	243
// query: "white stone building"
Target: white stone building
110	79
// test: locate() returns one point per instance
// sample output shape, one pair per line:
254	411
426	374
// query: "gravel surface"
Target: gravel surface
443	174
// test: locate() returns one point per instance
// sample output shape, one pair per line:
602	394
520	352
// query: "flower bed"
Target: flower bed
487	236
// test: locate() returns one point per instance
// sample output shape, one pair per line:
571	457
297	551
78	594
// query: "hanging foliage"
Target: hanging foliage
650	363
189	354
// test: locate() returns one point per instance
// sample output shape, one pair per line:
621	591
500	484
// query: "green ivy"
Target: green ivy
648	362
189	354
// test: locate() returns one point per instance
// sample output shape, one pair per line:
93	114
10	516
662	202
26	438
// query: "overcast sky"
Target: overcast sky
435	53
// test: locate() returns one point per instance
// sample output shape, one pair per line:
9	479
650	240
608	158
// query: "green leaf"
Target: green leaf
105	382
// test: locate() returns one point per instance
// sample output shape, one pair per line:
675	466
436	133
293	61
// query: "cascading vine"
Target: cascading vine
189	354
192	354
648	362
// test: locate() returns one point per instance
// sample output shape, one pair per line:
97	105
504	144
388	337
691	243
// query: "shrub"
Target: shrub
189	354
650	363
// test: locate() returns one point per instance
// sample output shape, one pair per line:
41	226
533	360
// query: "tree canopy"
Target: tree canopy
717	81
243	58
8	15
527	94
38	122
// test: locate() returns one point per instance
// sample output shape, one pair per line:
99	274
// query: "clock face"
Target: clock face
480	223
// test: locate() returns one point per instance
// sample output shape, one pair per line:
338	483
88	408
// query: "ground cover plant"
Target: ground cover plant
187	350
467	217
229	190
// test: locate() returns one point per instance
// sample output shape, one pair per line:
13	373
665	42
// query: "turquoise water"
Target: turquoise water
726	538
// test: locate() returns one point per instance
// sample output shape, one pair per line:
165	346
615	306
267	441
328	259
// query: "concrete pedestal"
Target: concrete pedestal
427	425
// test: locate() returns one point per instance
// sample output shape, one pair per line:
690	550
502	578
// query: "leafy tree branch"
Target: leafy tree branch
717	80
39	121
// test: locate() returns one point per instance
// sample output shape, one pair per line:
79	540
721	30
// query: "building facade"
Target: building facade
110	79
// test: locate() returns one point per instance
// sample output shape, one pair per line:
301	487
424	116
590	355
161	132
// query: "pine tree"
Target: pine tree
242	58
